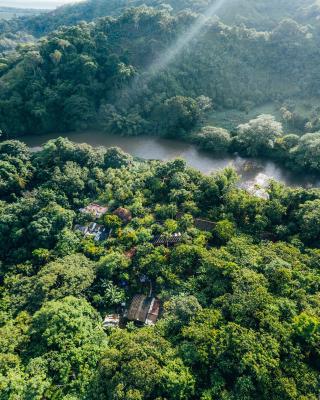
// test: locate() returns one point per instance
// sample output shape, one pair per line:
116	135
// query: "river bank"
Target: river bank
151	147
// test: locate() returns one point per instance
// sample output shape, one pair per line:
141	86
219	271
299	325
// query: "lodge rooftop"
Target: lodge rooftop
144	310
94	230
171	240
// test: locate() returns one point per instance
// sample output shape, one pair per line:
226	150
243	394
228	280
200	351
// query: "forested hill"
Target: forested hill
259	14
101	71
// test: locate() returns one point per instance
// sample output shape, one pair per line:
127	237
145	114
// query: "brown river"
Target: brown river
150	147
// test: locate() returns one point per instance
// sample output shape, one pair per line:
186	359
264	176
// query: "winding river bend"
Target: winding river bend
150	147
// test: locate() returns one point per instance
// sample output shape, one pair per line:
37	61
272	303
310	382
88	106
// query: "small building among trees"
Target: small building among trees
167	240
94	230
204	225
95	210
111	321
144	310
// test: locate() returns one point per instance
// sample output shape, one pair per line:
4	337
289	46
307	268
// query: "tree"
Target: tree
141	365
67	243
71	178
179	311
251	305
307	152
111	295
307	329
47	224
153	262
259	135
56	152
178	115
309	220
78	111
16	149
68	337
164	211
114	265
116	158
112	221
225	230
214	139
69	276
248	357
15	167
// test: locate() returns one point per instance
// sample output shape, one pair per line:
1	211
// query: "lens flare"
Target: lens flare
169	55
183	40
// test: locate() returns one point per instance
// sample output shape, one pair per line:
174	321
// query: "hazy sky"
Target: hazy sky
35	3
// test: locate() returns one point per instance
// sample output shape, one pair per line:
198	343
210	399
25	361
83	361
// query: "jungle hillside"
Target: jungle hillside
125	278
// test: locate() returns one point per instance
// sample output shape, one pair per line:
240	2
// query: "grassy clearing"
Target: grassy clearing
230	119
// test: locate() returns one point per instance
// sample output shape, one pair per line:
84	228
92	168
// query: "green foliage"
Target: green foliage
239	304
212	138
178	115
239	314
254	14
67	276
308	218
113	265
66	334
179	311
258	136
88	73
141	365
305	326
15	167
116	158
306	152
112	221
225	230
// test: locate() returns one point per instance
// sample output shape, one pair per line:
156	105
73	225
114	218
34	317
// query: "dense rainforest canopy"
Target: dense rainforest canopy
254	13
237	275
241	304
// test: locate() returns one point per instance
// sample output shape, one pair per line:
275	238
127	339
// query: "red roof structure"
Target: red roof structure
95	210
131	253
124	214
